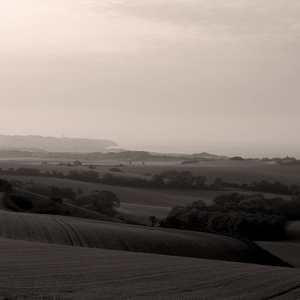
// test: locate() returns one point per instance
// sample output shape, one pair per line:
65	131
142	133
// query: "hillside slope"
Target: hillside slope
44	203
115	236
43	271
289	249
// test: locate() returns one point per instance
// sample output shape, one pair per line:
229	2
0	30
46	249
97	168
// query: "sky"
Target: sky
220	76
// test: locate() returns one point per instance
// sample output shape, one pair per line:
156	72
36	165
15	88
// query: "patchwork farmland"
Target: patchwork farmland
88	254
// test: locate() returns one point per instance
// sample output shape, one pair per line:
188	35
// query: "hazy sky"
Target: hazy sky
220	76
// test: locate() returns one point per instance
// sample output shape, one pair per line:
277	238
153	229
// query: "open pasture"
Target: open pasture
43	271
116	236
144	210
230	171
102	168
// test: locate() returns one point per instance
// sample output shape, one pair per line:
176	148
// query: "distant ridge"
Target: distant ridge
41	143
208	156
200	156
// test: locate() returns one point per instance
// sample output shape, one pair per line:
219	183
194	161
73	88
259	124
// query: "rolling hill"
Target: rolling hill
115	236
42	204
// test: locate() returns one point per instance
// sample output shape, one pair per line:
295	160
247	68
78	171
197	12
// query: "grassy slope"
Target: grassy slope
116	236
42	271
72	210
287	250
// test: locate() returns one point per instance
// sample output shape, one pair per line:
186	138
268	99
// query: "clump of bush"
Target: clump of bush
48	208
56	199
250	216
18	202
116	170
53	192
262	186
182	180
104	202
5	187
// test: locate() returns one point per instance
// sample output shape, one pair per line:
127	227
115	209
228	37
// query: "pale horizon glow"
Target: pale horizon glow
217	76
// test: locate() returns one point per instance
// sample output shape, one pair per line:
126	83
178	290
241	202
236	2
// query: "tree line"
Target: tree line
103	201
251	216
261	186
167	179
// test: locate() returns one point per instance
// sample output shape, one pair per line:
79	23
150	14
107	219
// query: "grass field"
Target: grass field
114	236
43	271
231	171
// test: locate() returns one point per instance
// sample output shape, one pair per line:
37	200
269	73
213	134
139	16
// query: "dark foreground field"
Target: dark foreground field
31	270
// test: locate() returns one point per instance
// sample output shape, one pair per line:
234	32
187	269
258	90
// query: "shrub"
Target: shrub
104	202
116	170
5	186
56	199
22	202
51	209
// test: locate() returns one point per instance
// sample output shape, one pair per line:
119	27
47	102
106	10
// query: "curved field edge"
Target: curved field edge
115	236
64	208
43	271
287	250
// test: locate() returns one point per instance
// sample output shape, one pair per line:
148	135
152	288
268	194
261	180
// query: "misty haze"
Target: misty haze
165	130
